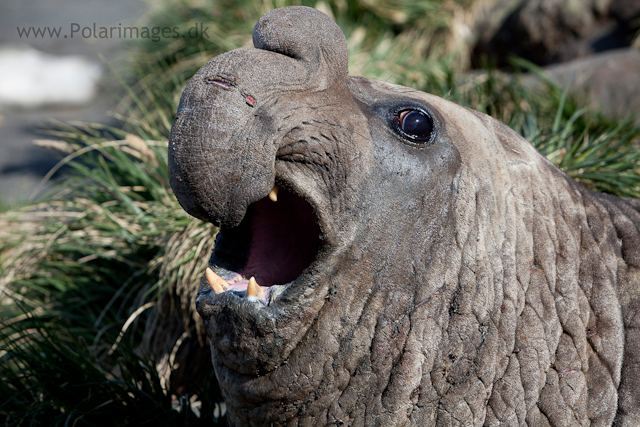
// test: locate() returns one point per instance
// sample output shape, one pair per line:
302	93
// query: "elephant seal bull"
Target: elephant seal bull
422	264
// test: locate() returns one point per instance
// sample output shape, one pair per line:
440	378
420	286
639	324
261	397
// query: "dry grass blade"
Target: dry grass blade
128	323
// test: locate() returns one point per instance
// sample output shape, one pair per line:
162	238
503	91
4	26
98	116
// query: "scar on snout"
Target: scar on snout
228	83
221	83
251	101
224	81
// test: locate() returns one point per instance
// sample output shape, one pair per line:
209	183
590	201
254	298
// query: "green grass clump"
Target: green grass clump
98	278
84	274
57	379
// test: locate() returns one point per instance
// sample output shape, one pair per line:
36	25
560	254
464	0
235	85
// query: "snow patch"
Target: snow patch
30	78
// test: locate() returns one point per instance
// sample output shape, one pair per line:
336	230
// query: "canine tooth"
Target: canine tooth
273	194
253	289
217	283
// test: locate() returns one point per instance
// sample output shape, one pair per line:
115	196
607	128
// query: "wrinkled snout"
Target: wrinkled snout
223	142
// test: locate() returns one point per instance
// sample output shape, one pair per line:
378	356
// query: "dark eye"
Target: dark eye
415	124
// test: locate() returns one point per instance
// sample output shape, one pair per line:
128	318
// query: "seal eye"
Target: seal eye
415	124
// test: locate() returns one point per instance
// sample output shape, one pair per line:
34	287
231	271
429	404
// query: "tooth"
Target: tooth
217	283
273	194
253	289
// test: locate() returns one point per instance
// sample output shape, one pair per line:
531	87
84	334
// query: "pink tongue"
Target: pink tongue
240	285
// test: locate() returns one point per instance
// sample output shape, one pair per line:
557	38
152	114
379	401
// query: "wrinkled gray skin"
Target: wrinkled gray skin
465	281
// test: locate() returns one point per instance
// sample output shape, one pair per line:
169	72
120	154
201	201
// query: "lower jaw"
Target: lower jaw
221	280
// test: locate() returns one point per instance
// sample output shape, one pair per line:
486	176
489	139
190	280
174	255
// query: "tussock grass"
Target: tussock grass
84	273
98	278
58	380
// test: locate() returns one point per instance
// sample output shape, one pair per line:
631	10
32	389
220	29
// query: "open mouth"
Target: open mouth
278	239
